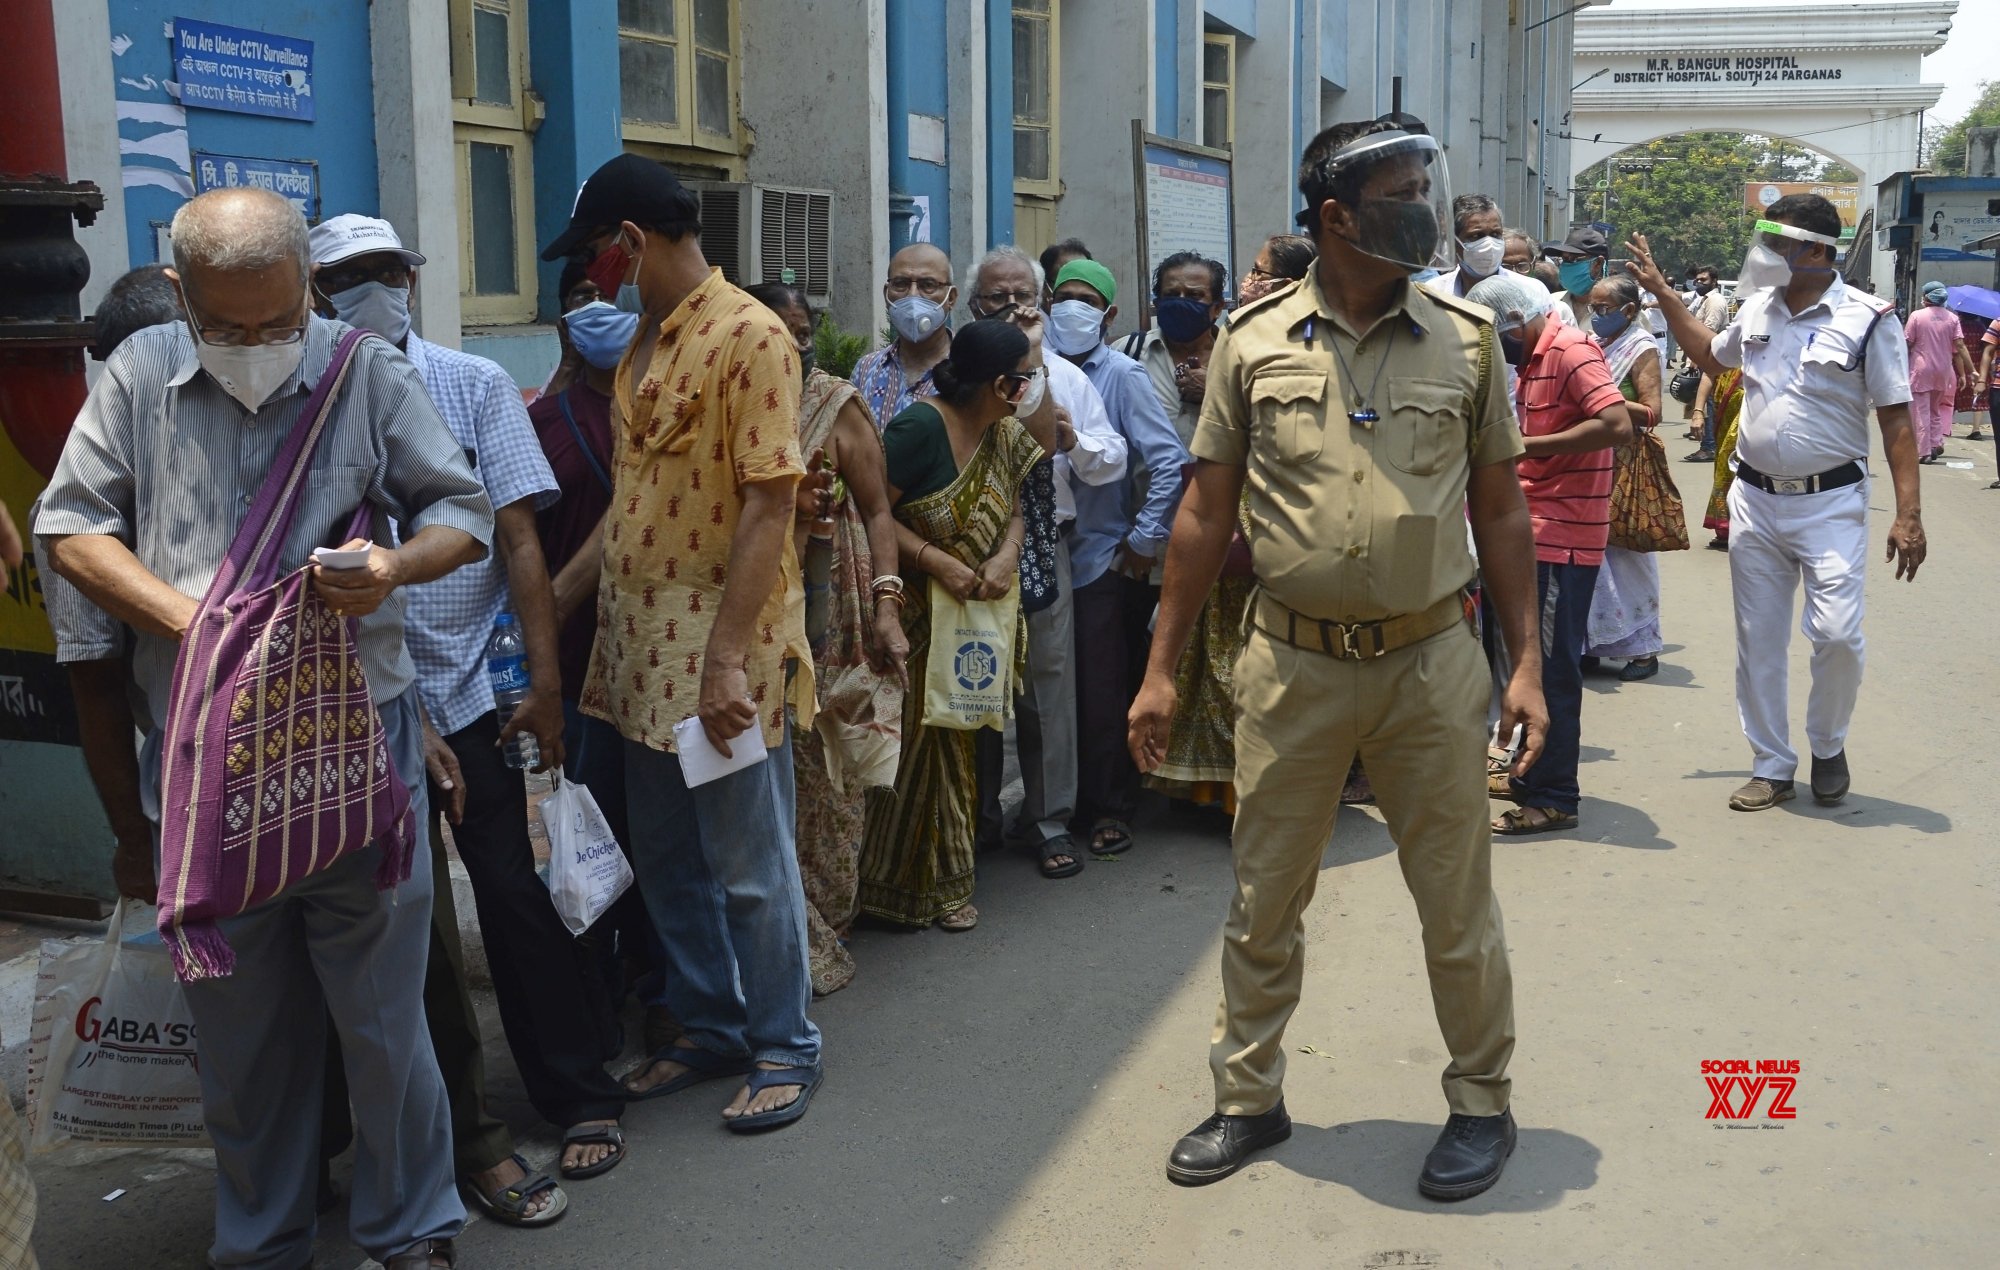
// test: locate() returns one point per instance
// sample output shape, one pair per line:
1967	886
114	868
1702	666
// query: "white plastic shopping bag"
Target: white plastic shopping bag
111	1051
969	671
587	871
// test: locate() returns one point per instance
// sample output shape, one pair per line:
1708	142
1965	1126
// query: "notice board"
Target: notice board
1182	194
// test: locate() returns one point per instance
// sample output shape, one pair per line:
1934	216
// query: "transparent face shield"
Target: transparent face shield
1377	147
1774	235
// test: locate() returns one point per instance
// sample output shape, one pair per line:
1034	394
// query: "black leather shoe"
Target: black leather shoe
1468	1156
1220	1145
1829	779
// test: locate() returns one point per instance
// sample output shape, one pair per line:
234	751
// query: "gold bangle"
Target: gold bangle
920	554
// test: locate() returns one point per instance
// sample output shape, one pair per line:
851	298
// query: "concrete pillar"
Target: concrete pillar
814	81
1107	82
1271	128
90	140
416	165
965	44
572	62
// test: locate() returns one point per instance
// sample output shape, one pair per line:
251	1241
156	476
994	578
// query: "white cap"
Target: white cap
348	235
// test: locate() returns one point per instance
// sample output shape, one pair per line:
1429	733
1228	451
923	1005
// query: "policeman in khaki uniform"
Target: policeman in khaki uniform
1368	416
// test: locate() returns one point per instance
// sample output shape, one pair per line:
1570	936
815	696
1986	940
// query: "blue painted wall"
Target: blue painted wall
1239	16
1167	68
341	139
918	59
1333	43
999	122
573	63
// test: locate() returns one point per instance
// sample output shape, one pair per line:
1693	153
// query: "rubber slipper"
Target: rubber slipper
701	1066
1516	823
807	1078
588	1134
960	919
509	1204
1061	844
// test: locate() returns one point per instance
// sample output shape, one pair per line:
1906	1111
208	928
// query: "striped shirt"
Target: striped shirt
450	620
165	461
1565	381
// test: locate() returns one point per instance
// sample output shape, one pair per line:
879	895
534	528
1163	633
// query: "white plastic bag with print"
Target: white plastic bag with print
111	1051
587	871
969	671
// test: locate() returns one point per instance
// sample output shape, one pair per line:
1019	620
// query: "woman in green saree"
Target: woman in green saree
956	463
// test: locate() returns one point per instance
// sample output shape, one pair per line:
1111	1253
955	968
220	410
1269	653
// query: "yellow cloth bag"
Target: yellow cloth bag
969	676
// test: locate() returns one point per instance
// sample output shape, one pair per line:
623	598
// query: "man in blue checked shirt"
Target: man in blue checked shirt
554	1008
1119	535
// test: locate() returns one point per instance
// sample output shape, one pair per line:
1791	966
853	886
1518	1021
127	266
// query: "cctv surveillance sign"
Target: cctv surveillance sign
249	72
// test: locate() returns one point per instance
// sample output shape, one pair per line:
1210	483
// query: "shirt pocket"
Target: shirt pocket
1427	423
675	418
1289	408
326	506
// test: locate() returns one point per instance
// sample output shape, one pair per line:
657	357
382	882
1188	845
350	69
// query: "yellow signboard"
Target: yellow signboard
1846	198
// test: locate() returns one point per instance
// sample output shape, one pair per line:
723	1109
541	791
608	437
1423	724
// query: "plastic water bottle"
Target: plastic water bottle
507	667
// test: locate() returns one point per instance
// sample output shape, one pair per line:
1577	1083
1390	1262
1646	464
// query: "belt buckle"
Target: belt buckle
1790	485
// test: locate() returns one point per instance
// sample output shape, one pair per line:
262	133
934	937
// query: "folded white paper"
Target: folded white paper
701	762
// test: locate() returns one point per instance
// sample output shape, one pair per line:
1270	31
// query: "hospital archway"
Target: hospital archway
1844	79
1696	195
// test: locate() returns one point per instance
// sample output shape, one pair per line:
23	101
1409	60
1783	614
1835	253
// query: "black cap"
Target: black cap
625	188
1584	240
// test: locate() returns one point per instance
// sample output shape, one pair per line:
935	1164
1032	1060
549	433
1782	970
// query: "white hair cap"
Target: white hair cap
1507	292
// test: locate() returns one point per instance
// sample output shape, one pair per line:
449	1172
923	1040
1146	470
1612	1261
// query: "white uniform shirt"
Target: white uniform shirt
1807	387
1099	455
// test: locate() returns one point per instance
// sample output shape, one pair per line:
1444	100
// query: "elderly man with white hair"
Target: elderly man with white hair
161	469
1571	414
1008	281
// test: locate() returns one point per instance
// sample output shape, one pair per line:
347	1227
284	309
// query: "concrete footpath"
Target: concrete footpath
1006	1097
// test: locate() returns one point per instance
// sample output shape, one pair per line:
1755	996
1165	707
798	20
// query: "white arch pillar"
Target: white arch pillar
1843	79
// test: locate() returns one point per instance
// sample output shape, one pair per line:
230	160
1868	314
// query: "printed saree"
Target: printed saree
1726	400
1200	766
854	743
916	854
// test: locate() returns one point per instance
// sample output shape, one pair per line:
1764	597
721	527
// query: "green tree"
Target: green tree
1685	192
1948	158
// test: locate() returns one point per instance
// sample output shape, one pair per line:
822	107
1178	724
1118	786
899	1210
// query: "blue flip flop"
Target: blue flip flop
702	1066
808	1078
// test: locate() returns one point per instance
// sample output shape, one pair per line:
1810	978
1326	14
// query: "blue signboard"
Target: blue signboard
250	72
295	179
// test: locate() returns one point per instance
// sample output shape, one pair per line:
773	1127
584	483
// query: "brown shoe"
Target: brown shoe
1761	795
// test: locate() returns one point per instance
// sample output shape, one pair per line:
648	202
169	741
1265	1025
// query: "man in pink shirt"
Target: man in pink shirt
1572	415
1939	368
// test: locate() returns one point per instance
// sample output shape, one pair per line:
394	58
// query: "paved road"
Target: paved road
1006	1097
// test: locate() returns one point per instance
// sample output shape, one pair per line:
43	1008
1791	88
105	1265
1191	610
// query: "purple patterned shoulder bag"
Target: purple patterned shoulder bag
275	764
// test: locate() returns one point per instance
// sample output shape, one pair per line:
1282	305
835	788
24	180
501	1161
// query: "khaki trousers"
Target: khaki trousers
1417	717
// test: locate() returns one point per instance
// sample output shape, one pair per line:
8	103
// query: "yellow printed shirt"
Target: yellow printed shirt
718	409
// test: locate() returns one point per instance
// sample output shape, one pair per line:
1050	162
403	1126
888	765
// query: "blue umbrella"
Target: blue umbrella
1978	301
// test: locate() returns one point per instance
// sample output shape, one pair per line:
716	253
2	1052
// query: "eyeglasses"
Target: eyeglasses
236	336
333	279
1253	273
1606	310
994	301
1023	378
1521	268
931	288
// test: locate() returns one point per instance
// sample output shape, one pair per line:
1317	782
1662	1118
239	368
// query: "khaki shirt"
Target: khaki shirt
1356	522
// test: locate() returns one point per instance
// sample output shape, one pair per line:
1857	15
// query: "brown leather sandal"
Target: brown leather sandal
431	1254
1522	821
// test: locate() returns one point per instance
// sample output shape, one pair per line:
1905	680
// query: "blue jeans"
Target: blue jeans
1564	591
718	866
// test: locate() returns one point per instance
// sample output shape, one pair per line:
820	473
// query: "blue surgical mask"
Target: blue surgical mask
1075	327
1577	277
629	301
1182	319
1609	326
601	333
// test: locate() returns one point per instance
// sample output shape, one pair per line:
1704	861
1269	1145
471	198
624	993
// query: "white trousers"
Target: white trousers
1774	541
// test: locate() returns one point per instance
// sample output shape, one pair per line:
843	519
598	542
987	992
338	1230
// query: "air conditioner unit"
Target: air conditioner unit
756	232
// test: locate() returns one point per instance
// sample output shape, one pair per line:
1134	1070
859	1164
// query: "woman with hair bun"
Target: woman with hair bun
956	462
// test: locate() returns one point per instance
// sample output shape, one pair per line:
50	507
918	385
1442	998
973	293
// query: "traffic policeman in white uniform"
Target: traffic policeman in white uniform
1815	355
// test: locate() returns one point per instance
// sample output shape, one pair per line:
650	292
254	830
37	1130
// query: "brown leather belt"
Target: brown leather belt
1354	641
